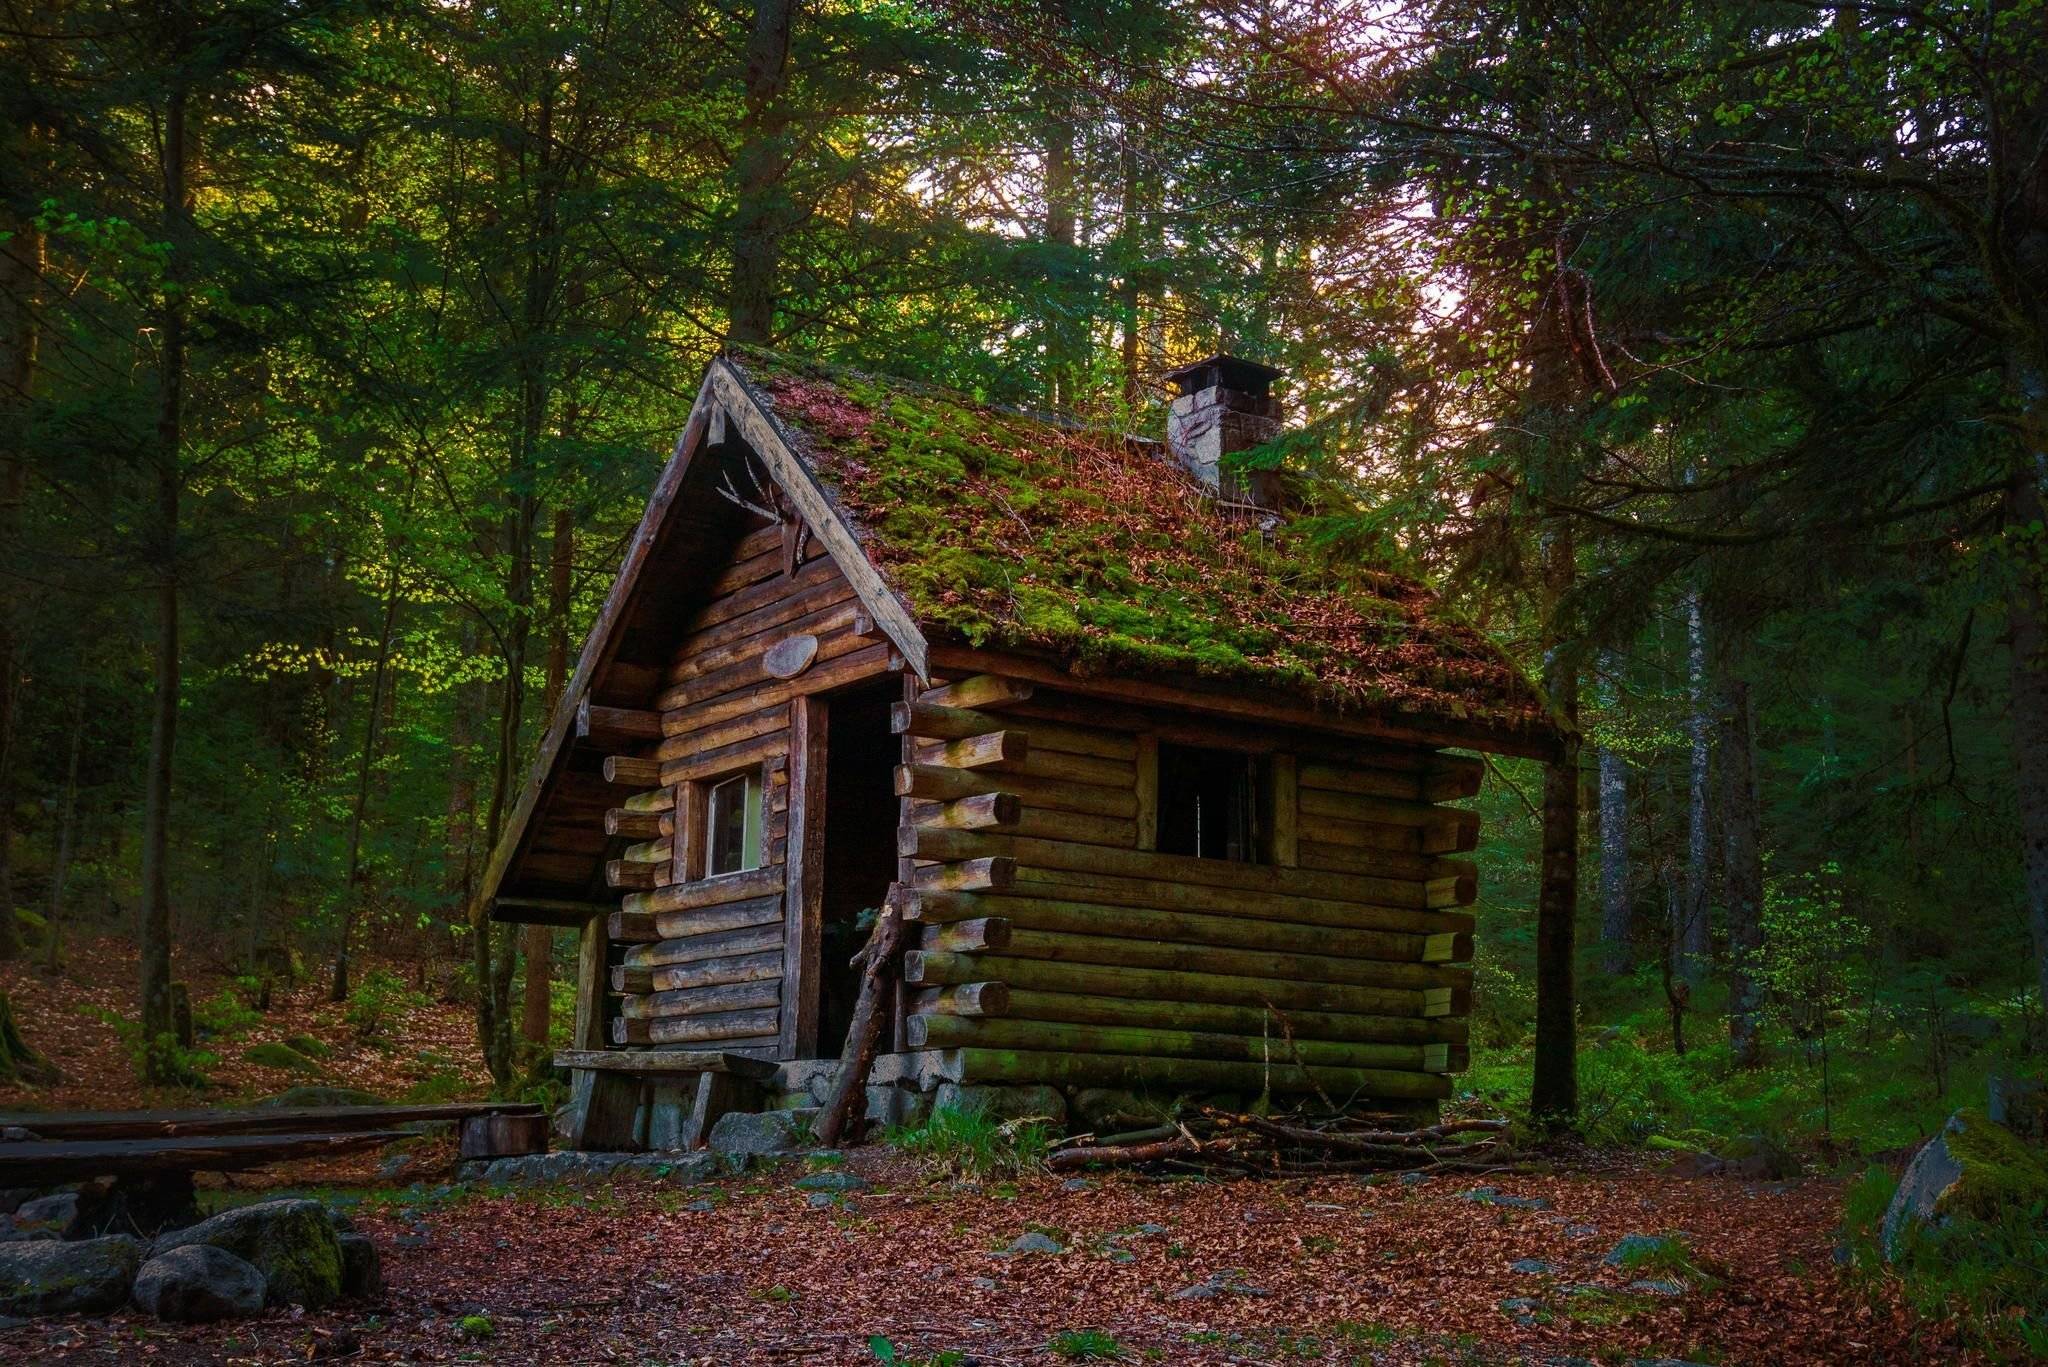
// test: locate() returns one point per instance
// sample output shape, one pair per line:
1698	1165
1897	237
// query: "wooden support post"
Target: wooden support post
1148	792
864	1033
804	866
1285	823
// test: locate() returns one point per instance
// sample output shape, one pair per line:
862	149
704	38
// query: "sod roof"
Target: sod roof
1008	529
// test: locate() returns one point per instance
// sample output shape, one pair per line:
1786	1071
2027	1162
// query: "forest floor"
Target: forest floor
747	1270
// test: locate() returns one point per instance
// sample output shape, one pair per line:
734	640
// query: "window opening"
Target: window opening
1208	803
733	820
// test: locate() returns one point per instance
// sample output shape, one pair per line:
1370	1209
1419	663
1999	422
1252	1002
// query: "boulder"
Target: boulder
54	1217
835	1181
293	1243
293	1097
54	1277
1033	1242
362	1267
198	1283
1973	1168
749	1132
2020	1104
1034	1102
575	1168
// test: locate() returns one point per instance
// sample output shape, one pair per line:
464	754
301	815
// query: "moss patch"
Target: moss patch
2000	1172
1007	529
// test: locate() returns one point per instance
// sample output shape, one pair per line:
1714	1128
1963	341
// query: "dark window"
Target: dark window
733	822
1208	801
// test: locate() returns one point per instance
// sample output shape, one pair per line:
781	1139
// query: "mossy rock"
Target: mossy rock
308	1045
297	1098
2000	1172
278	1054
293	1243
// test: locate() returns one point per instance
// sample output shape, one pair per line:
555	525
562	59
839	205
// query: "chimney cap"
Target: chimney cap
1231	372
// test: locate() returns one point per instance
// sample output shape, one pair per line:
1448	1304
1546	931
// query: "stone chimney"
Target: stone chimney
1225	404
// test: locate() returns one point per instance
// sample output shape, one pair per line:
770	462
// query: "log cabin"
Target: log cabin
1159	780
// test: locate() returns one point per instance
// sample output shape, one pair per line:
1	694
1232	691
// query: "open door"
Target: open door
860	846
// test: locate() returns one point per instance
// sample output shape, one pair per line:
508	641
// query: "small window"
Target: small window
732	821
1208	803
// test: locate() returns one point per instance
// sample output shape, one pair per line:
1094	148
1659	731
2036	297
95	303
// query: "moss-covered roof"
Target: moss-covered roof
1012	530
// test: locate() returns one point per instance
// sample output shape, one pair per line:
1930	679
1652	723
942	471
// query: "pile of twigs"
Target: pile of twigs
1292	1145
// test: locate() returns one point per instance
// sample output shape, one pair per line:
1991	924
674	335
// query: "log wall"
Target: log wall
716	960
1055	945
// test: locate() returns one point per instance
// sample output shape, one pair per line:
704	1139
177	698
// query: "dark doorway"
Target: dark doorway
860	845
1208	801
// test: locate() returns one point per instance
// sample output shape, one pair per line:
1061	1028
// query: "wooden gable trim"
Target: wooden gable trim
771	443
598	649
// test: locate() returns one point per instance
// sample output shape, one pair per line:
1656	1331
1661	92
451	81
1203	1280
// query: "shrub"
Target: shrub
1077	1345
380	1000
886	1352
224	1014
971	1143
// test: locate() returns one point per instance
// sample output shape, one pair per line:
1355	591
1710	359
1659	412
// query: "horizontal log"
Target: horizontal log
616	725
649	852
629	927
766	933
933	783
688	744
1163	868
658	1061
1383	811
632	825
956	1032
653	800
1317	776
793	612
1063	885
1395	841
1060	767
46	1162
976	752
1450	777
965	999
969	875
731	968
976	813
1125	952
1358	937
967	937
929	721
865	663
53	1126
1158	1074
753	671
626	979
727	759
621	873
727	1025
937	969
701	660
720	916
629	772
766	594
703	1001
978	691
1081	1008
1085	741
709	892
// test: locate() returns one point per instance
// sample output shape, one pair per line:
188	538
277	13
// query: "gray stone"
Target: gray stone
822	1200
571	1168
1656	1286
701	1206
59	1276
1034	1102
1581	1231
1490	1196
1078	1184
749	1133
1150	1230
198	1283
1230	1283
293	1244
1032	1242
362	1266
395	1167
1633	1248
54	1215
1533	1267
1931	1175
832	1180
1520	1304
1413	1179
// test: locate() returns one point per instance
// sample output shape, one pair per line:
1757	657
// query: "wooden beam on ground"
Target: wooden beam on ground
44	1162
103	1125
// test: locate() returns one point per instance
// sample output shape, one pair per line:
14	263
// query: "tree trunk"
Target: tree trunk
1744	876
1554	1091
1694	939
67	834
153	931
21	269
537	942
351	883
761	216
2027	507
1615	956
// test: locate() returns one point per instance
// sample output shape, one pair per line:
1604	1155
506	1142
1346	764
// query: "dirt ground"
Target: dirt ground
748	1270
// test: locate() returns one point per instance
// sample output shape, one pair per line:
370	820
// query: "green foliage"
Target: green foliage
379	1002
1085	1345
160	1057
887	1352
224	1014
476	1327
963	1143
278	1054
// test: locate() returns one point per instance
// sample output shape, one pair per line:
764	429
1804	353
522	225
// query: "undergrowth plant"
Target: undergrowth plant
968	1142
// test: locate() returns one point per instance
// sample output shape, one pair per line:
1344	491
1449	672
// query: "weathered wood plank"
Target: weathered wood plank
708	892
933	783
953	1032
665	1061
978	691
715	944
728	1025
1131	1070
803	899
1257	1019
1364	932
937	969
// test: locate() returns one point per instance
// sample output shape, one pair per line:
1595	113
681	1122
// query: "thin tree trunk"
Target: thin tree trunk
537	941
21	269
1744	877
1615	954
351	883
154	922
67	832
1554	1090
761	216
2027	506
1695	941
